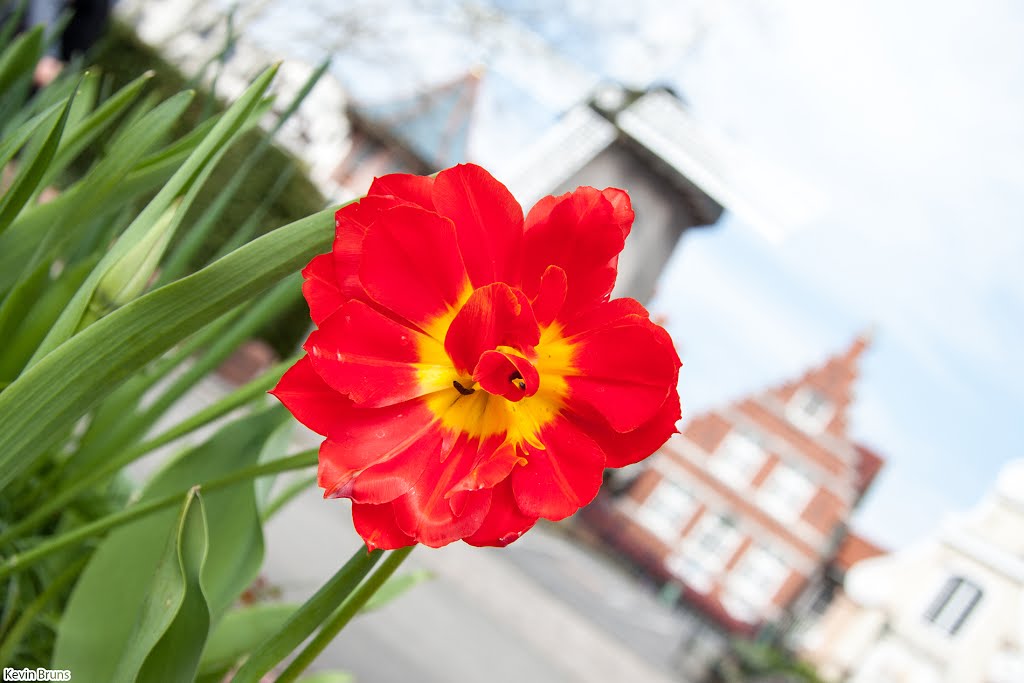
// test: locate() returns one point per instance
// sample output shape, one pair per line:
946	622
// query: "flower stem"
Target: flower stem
309	616
343	615
46	548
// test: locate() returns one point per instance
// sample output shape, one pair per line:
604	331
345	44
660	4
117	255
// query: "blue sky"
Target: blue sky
905	121
908	120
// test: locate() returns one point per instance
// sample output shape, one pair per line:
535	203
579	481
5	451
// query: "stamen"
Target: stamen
517	379
461	389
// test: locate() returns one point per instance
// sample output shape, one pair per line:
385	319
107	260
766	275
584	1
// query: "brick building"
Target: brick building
744	511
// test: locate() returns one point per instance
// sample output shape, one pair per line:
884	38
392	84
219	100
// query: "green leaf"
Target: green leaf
275	447
130	426
68	491
126	279
93	125
19	301
171	630
309	616
292	488
32	172
14	140
328	677
100	615
235	524
206	153
239	633
19	60
186	250
13	21
395	586
341	616
100	190
48	398
23	339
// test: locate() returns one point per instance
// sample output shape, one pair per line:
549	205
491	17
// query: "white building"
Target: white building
947	610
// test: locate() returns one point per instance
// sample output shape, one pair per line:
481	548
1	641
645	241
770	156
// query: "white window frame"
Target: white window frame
667	509
705	551
738	459
757	578
786	492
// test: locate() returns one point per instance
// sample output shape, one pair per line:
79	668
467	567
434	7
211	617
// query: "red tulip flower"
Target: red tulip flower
469	372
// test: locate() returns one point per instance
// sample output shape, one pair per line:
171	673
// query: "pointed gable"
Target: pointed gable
818	401
432	125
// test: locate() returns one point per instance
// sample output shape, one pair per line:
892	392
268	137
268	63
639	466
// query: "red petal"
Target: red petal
488	219
378	454
490	470
368	356
507	375
582	235
411	264
412	188
605	314
626	371
377	525
494	315
350	224
542	209
429	514
321	288
550	296
629	447
310	399
504	522
622	208
559	480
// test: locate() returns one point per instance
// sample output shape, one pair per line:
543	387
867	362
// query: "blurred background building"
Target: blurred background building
747	509
947	608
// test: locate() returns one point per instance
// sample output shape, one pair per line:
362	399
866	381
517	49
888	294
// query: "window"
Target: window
667	509
738	459
706	550
953	604
785	493
757	577
809	409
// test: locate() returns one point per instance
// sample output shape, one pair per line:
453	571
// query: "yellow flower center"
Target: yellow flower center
462	406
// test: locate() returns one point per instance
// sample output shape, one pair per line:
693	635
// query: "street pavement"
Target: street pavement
482	618
542	610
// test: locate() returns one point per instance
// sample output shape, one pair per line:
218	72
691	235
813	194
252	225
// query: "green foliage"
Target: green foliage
239	633
272	194
159	256
756	662
111	589
395	587
168	636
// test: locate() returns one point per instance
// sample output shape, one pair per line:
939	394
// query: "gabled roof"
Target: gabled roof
853	549
432	125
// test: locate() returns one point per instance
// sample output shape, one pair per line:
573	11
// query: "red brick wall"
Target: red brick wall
707	431
825	511
807	446
644	484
